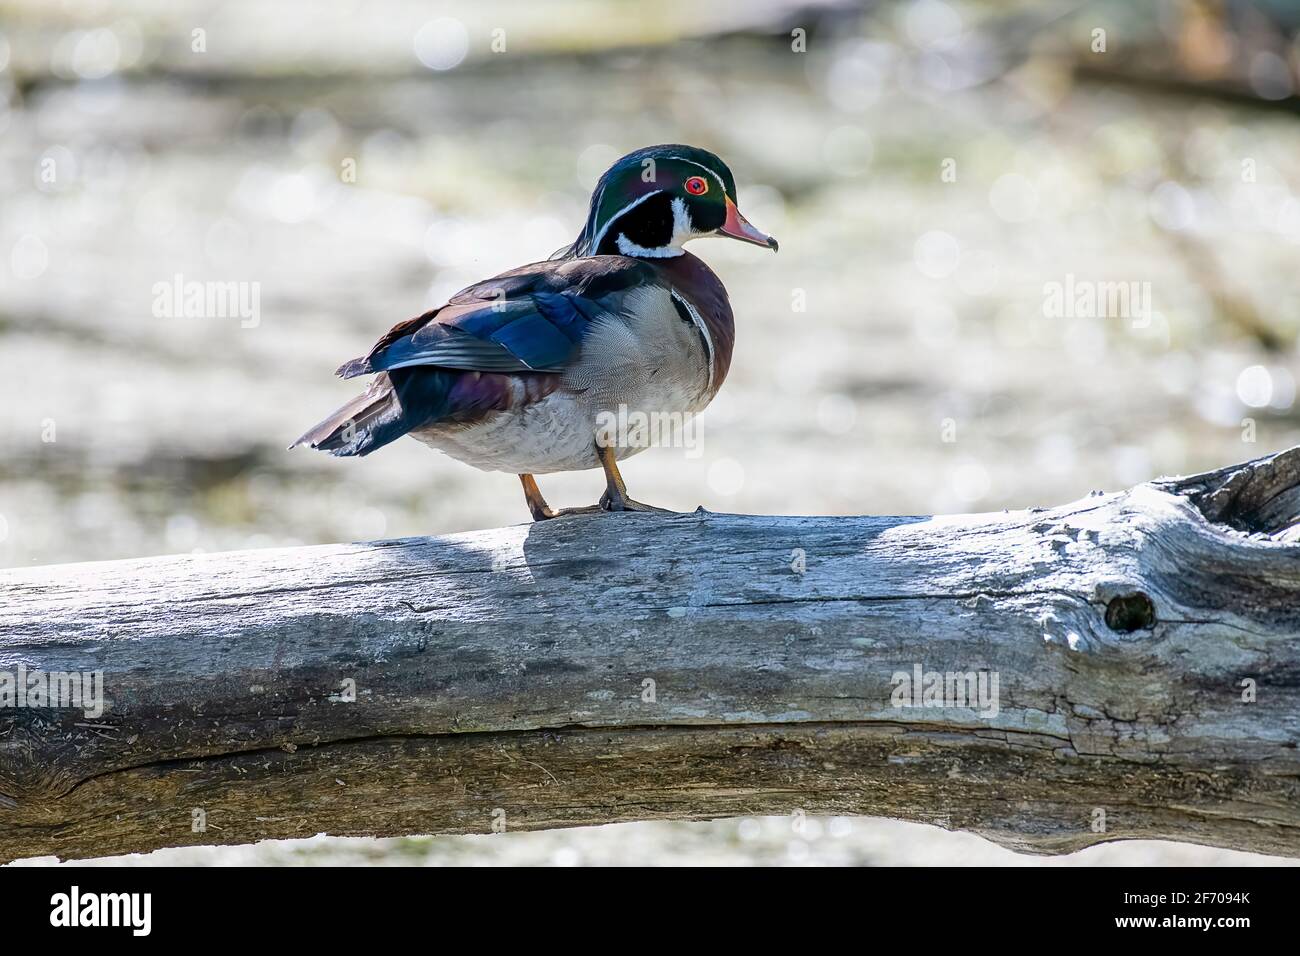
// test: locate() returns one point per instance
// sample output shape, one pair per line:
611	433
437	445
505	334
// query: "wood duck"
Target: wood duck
514	373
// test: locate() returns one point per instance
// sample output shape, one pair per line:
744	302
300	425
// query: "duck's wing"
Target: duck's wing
530	319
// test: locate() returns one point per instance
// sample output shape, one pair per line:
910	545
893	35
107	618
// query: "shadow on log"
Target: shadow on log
1125	666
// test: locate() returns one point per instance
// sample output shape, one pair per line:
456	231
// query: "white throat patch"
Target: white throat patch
682	230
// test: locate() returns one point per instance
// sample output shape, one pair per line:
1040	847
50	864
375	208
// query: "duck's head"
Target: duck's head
652	201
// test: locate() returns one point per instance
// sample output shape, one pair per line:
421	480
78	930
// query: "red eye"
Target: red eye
697	186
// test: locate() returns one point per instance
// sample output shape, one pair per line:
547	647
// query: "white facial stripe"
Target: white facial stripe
682	227
699	324
600	236
706	169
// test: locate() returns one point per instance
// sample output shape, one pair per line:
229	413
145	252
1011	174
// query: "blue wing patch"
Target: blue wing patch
529	321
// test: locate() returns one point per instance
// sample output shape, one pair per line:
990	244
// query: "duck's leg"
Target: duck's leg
533	495
615	497
538	506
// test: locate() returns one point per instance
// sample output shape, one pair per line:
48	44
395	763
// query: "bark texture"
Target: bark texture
1145	646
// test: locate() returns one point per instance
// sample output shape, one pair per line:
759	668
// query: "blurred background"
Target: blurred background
933	169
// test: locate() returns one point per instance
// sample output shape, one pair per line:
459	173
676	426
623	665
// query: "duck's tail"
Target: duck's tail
364	424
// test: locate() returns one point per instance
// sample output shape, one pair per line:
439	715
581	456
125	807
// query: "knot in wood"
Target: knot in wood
1130	612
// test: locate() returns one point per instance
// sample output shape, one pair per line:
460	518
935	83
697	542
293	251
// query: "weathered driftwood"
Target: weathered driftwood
502	677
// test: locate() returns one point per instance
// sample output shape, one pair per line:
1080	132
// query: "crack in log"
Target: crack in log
906	728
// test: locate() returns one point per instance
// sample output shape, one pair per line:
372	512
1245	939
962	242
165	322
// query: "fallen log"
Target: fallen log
1124	666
